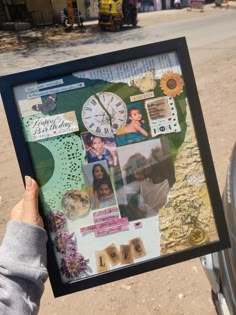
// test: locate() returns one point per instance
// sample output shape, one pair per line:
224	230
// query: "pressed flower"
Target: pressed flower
73	265
56	221
171	84
64	242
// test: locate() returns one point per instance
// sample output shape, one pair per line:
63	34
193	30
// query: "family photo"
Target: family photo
147	178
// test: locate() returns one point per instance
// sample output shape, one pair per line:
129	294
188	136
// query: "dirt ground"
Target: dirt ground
44	36
181	289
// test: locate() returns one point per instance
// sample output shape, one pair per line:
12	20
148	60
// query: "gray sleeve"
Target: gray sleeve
23	270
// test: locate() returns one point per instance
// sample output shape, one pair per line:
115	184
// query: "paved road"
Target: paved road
202	32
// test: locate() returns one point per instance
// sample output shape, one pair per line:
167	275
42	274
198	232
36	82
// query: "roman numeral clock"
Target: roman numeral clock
104	113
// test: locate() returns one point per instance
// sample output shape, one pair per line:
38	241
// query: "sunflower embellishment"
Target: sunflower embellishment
171	84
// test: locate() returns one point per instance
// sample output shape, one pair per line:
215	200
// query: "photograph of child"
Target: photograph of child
147	178
135	128
99	149
136	122
105	196
99	185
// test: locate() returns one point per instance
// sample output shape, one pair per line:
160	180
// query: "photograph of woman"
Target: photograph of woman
99	185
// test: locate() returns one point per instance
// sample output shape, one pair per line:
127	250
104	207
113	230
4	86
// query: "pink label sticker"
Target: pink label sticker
111	230
105	211
96	227
138	225
105	218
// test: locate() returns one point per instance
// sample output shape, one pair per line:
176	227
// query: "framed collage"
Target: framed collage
118	146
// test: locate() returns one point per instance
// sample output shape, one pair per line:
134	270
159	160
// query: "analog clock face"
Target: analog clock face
104	114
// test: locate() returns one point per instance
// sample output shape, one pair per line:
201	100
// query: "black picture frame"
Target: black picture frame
186	83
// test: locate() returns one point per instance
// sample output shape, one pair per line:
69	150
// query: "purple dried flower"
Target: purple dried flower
64	242
73	265
56	221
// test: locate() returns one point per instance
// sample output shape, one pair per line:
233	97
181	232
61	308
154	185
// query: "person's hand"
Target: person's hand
107	197
27	209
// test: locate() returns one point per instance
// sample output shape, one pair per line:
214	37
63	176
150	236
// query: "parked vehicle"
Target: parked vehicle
113	14
220	267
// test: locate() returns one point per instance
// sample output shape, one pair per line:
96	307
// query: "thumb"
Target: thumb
30	202
30	198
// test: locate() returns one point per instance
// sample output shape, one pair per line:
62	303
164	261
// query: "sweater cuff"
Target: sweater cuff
25	243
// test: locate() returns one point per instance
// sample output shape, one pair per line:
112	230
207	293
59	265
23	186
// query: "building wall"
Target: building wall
59	5
3	16
47	11
41	11
92	10
82	7
44	12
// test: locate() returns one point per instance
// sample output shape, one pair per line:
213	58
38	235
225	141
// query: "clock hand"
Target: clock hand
95	116
104	108
103	116
108	105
